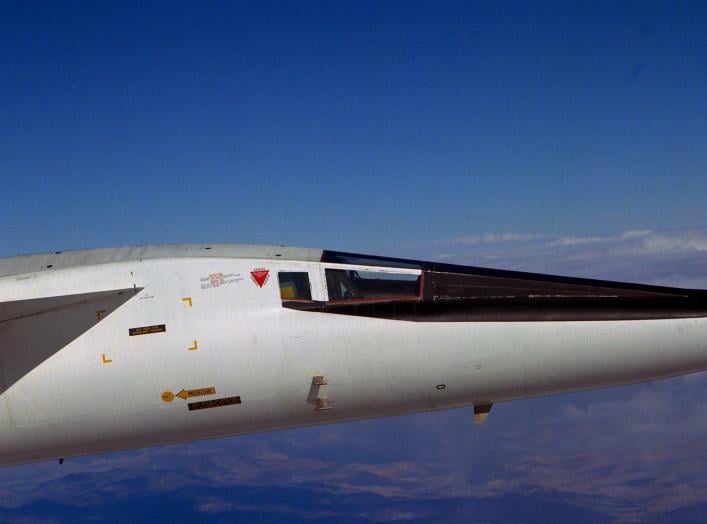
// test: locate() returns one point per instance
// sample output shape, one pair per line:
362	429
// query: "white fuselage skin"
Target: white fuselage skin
107	390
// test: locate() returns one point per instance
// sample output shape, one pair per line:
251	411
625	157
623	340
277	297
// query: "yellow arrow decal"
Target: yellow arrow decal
189	393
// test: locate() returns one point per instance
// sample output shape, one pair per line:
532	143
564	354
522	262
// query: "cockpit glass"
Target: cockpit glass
294	285
353	284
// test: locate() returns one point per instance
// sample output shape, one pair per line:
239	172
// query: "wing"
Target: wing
33	330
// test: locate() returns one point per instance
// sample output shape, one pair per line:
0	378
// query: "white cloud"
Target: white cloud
490	238
636	233
509	237
661	242
576	241
640	241
674	257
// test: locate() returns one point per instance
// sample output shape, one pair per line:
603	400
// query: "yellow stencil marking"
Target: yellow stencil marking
168	396
189	393
194	347
100	313
105	360
187	300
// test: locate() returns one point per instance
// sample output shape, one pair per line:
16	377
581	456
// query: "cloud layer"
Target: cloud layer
677	257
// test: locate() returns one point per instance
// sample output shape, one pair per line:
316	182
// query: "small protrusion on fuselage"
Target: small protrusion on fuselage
481	412
322	404
318	393
319	380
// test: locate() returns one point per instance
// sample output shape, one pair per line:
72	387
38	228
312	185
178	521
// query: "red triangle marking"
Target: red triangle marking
260	276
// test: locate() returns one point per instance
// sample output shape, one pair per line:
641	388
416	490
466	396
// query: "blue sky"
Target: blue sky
557	137
318	124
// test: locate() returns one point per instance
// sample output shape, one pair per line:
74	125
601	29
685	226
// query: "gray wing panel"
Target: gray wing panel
33	330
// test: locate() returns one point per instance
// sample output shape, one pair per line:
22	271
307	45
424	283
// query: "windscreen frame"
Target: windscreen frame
373	269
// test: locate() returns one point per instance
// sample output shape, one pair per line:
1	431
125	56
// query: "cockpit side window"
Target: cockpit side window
355	284
294	285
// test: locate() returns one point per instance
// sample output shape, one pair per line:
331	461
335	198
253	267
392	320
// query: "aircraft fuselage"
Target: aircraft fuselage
114	349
